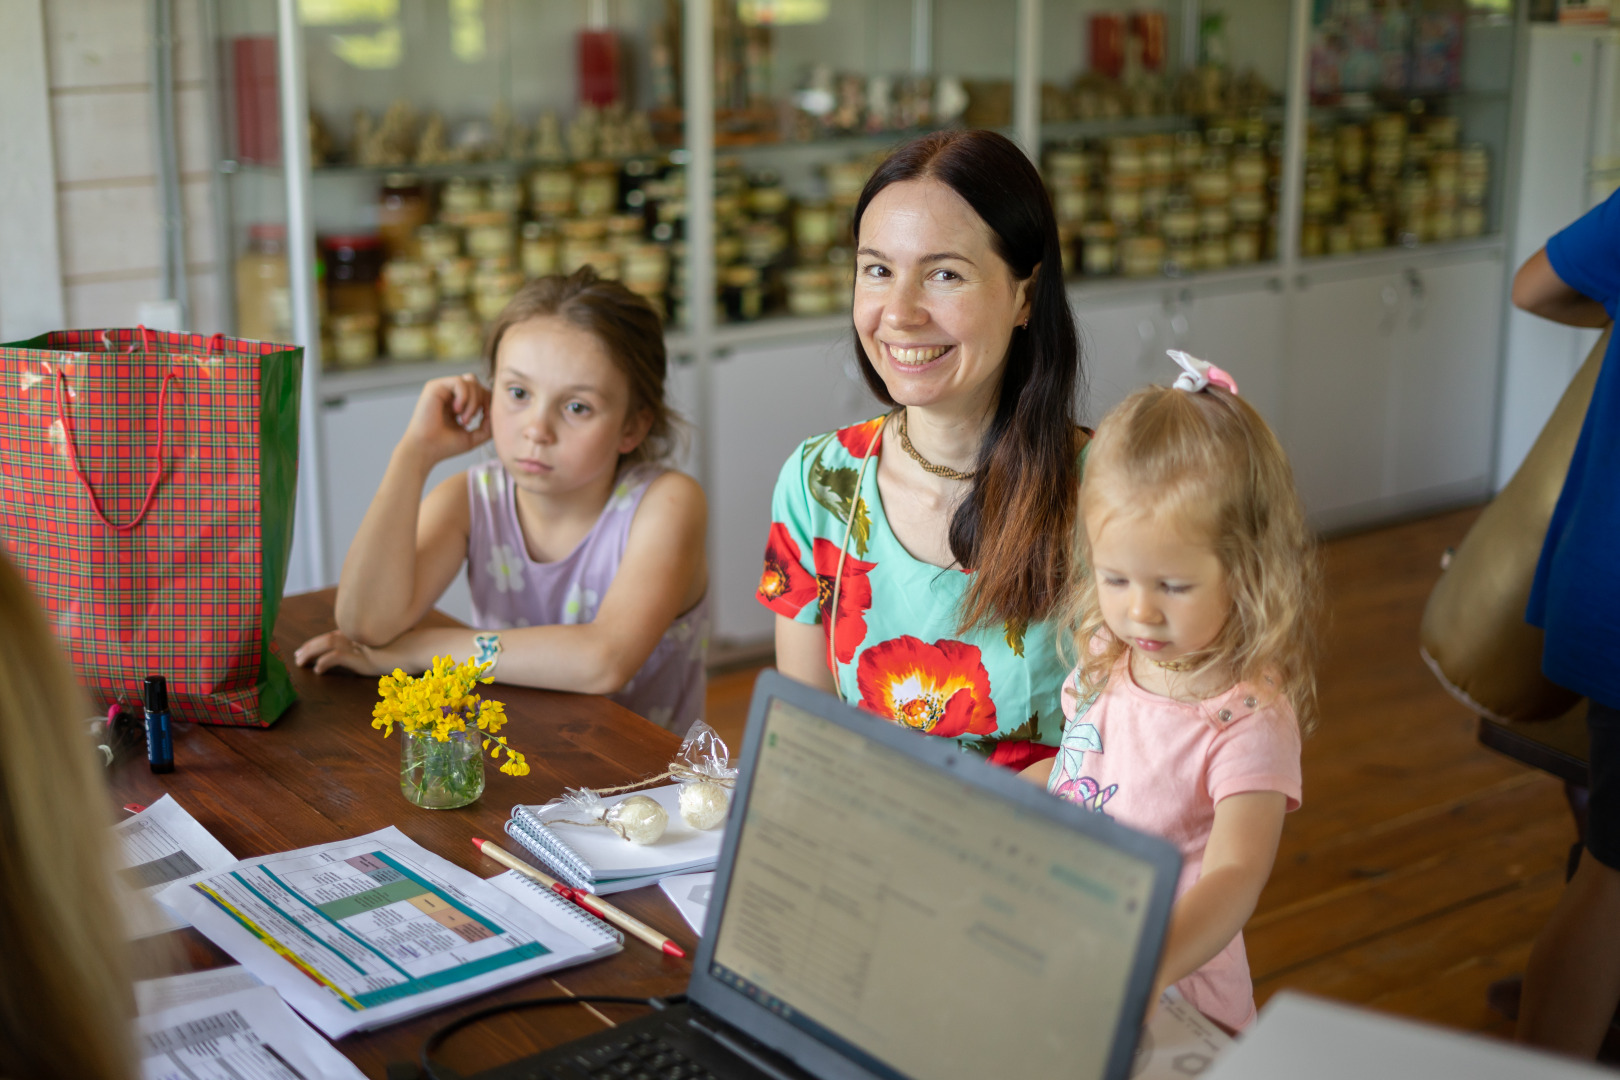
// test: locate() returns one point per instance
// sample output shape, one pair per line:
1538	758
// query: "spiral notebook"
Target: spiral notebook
598	860
572	919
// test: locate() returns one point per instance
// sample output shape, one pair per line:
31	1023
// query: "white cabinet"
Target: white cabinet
1390	385
1334	426
766	402
1238	326
358	434
1120	337
1443	382
1243	332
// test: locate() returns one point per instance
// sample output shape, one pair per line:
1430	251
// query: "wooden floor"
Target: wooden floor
1421	865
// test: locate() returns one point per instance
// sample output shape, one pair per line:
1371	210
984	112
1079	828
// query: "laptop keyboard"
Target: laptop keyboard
642	1056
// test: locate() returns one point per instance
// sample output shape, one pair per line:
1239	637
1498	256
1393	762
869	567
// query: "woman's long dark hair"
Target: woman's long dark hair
1015	524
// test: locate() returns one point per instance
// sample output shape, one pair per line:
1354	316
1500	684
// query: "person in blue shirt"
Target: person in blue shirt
1572	982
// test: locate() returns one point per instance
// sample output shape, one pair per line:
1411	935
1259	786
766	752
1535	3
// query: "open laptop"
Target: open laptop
887	906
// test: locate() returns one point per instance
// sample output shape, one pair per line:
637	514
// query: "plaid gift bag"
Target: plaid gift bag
146	493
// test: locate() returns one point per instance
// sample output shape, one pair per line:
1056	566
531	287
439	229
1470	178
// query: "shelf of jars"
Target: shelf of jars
1391	178
452	246
1158	178
1163	148
426	229
462	220
1408	122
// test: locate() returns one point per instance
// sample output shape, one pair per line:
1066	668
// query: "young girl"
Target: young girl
584	555
1194	613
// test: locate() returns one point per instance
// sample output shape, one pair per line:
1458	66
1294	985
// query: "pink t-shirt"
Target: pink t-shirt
1161	765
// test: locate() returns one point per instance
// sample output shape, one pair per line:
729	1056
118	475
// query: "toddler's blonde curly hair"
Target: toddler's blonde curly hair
1207	464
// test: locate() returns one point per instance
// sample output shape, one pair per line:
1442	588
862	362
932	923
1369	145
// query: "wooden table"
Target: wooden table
322	773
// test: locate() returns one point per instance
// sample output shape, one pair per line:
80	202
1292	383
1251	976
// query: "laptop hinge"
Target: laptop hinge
714	1028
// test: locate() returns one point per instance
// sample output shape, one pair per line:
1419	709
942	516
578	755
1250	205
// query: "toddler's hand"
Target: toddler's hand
333	649
451	417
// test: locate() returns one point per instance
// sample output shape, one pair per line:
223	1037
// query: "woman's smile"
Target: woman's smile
915	356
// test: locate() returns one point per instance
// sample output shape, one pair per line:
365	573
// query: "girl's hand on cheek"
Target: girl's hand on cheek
451	417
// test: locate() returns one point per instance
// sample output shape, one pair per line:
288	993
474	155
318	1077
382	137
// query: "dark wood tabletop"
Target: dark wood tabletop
322	773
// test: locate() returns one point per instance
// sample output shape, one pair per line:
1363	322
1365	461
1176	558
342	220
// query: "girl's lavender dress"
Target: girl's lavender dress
510	590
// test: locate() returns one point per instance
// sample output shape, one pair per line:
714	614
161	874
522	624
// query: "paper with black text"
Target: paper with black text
159	845
246	1035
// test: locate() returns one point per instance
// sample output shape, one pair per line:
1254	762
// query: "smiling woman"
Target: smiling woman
935	571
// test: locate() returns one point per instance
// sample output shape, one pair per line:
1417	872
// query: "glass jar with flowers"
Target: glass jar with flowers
445	726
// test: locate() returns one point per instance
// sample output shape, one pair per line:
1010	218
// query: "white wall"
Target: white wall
98	53
30	255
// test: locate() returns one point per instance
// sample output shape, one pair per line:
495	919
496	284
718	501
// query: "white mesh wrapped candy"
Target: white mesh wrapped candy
704	804
702	768
637	819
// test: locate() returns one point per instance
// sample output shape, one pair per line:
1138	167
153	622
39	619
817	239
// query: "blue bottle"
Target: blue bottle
159	742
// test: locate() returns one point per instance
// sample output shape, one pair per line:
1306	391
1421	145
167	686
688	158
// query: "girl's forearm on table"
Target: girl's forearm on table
579	658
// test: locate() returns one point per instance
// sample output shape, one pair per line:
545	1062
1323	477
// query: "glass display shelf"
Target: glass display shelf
809	97
456	150
1162	138
1408	126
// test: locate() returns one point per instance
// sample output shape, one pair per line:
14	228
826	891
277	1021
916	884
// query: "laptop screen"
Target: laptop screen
918	924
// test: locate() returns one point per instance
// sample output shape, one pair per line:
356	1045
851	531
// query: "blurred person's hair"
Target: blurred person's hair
66	1004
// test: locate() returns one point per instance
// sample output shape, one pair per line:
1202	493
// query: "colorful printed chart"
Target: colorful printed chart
364	932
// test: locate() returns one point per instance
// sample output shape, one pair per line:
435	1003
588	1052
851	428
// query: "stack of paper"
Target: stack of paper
599	860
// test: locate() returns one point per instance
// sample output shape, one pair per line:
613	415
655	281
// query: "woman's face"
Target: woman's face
935	306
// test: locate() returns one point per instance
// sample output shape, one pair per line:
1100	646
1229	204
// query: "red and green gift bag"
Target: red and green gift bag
146	493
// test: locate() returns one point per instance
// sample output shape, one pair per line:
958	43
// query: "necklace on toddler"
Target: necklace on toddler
1176	665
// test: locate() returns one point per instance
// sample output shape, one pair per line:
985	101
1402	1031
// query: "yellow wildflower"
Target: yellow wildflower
443	700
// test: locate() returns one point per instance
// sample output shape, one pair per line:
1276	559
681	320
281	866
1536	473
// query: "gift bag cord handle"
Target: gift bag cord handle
215	341
73	453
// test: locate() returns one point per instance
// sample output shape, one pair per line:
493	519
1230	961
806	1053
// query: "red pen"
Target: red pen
593	904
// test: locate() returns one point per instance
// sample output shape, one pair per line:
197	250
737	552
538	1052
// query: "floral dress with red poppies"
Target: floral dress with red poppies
897	649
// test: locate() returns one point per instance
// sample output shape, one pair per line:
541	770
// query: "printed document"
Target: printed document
159	845
246	1035
167	991
1178	1042
365	932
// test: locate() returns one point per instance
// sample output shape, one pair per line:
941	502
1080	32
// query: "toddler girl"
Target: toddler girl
585	555
1195	623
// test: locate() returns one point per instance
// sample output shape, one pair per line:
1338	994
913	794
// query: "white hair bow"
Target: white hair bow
1199	374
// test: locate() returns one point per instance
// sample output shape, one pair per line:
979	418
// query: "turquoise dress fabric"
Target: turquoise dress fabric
897	651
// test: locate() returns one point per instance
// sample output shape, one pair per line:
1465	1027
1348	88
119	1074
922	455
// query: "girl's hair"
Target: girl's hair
628	328
1011	525
65	994
1208	464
